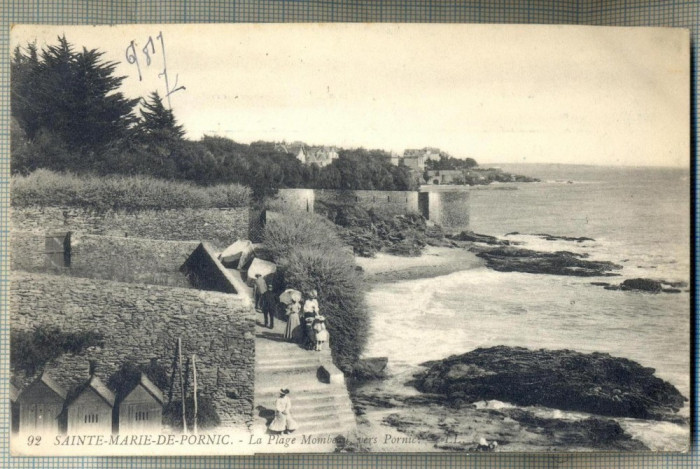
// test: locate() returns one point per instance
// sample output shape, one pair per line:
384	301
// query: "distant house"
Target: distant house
141	410
445	176
295	148
40	406
395	158
89	412
416	158
320	155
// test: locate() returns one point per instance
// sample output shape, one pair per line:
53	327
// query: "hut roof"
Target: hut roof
151	388
103	391
14	393
96	385
53	385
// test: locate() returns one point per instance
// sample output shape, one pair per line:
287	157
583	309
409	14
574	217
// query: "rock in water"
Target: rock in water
562	379
511	259
367	369
643	284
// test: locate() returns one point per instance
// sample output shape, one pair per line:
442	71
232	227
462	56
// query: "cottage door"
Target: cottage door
28	418
57	251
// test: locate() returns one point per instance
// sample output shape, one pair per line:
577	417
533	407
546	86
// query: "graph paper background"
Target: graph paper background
676	13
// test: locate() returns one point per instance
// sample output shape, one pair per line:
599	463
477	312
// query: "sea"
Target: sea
638	218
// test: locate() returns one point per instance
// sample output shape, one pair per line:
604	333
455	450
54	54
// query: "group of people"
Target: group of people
312	334
305	324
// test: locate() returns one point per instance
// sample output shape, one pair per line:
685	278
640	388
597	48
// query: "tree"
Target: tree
70	95
158	122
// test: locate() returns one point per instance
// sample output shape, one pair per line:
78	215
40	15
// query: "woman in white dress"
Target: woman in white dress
283	422
320	333
310	310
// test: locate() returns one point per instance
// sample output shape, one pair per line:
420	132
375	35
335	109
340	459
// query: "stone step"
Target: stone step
290	367
299	396
313	426
295	355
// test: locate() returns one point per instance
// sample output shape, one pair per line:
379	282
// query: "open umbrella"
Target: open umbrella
290	295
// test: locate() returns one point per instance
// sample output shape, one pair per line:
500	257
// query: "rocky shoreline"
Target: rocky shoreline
595	383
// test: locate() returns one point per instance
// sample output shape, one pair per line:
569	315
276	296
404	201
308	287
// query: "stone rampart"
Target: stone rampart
219	226
141	323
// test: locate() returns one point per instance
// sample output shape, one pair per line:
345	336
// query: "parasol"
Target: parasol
290	295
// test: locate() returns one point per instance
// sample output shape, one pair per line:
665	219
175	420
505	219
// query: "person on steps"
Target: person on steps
311	310
320	333
267	304
294	332
259	287
283	421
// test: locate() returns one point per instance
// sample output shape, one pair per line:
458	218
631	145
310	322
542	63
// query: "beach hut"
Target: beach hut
40	406
14	408
141	410
89	412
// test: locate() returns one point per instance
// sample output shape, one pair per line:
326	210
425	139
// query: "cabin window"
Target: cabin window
141	416
91	418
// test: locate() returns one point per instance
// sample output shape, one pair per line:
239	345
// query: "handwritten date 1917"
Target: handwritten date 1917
149	51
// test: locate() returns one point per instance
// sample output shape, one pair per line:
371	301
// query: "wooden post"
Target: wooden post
182	386
194	374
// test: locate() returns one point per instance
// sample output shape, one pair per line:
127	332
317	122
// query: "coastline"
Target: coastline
422	422
433	262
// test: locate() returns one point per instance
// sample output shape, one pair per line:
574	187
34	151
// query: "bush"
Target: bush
31	350
129	375
311	256
48	188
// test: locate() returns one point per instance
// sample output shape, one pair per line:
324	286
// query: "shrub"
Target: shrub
129	374
311	256
48	188
31	350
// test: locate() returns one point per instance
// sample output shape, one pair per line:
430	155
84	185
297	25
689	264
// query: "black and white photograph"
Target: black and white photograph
345	238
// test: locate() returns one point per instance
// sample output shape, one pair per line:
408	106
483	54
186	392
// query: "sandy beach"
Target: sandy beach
434	262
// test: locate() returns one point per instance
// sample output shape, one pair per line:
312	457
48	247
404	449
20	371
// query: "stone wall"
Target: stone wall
141	323
447	206
386	202
135	260
219	226
449	209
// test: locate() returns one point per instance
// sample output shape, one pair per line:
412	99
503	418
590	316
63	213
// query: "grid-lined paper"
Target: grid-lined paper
671	13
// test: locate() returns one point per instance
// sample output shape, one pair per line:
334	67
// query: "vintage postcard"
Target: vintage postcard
241	239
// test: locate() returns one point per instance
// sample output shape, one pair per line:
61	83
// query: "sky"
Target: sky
495	93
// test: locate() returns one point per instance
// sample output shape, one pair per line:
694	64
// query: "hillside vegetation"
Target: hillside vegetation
49	188
311	256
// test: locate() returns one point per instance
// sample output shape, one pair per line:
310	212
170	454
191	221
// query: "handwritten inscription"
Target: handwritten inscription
148	52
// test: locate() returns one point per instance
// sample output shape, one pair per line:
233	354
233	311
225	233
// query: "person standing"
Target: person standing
267	304
283	421
294	332
311	310
259	287
320	333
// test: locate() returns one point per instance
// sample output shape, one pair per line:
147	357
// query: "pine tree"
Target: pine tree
70	95
157	122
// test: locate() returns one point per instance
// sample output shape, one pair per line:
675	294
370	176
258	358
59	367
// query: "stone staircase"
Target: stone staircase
320	401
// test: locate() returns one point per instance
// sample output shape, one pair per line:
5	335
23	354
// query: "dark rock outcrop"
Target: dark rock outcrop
562	379
368	369
645	285
549	237
368	231
512	259
478	238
